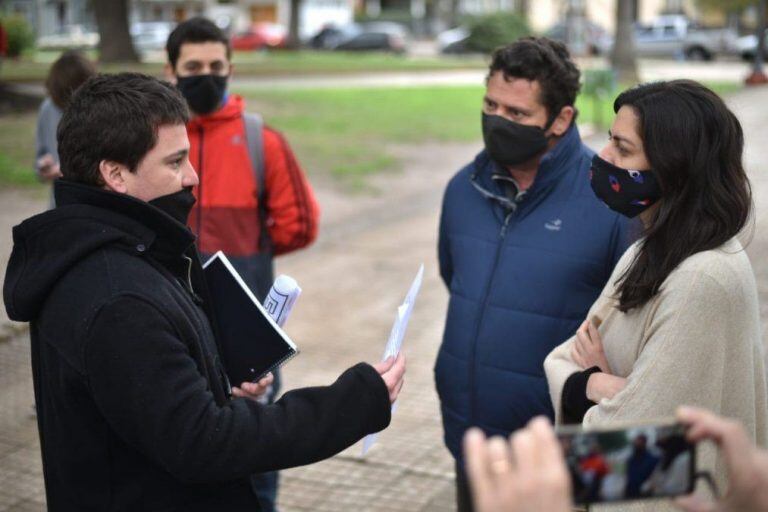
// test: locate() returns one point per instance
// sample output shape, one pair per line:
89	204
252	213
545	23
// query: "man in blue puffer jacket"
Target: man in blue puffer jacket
525	247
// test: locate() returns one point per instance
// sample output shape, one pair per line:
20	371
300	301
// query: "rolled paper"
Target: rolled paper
281	298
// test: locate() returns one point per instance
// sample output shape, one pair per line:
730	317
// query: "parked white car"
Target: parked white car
72	37
747	46
150	35
677	36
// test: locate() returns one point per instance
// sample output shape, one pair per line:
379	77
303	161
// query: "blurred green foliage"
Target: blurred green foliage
488	32
20	34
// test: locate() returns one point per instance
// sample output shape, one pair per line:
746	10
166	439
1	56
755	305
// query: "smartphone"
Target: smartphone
640	462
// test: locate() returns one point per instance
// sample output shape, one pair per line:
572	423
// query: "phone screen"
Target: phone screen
643	462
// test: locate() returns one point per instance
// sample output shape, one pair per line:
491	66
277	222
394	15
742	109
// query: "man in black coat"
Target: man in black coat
134	408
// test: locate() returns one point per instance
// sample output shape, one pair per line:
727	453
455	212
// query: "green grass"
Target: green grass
34	67
17	150
344	133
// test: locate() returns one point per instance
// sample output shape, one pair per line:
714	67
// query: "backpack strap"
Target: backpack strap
254	138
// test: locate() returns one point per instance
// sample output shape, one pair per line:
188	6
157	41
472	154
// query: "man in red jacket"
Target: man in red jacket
253	200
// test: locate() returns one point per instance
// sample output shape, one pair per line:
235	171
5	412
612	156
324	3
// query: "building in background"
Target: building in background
55	17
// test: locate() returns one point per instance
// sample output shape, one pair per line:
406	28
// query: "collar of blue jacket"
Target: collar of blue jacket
552	167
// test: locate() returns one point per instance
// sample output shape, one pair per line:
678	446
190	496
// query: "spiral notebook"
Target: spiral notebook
250	341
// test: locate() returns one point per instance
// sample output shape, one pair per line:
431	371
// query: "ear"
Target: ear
170	76
113	175
562	122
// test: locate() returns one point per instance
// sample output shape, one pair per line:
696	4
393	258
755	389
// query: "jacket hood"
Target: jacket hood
48	245
233	108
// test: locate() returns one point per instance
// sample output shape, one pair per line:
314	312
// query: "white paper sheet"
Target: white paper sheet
395	341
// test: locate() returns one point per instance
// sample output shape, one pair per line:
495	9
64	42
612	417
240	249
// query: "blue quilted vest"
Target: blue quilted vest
521	281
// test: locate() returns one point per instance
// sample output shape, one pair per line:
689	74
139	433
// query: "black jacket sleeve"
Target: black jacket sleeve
574	400
149	389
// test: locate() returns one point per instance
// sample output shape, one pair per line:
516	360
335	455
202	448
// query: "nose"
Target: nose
189	178
607	154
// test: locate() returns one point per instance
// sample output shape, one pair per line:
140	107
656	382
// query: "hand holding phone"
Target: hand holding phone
747	465
642	462
524	474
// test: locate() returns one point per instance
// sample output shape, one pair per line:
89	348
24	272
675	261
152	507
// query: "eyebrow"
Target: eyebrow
508	106
620	139
195	62
177	154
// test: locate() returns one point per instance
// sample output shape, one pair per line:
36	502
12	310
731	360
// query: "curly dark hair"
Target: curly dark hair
115	117
546	61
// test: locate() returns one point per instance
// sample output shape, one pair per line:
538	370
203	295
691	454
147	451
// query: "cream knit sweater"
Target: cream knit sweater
696	343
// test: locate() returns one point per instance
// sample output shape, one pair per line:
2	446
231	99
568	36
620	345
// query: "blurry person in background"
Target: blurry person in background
640	466
67	73
3	43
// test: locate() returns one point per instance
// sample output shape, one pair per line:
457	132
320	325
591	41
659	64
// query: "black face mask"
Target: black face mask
628	192
204	93
509	143
177	205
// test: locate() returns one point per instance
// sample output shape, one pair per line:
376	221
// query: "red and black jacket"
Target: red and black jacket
226	217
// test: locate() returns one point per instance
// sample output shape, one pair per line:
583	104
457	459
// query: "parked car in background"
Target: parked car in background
71	37
747	47
597	40
261	36
372	36
150	36
330	36
453	40
677	36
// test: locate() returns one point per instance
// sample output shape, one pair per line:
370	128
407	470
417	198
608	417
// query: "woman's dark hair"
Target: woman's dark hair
67	73
546	61
115	117
694	145
194	30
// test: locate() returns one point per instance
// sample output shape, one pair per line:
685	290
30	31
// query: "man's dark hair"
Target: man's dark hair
546	61
194	30
115	117
68	73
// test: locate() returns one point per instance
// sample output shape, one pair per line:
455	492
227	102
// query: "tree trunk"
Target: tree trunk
453	13
294	40
623	56
761	25
758	76
575	21
115	44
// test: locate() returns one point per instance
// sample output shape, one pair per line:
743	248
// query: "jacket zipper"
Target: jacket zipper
200	190
189	274
473	356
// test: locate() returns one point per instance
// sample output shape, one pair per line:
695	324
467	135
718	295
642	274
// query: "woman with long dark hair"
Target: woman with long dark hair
678	322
